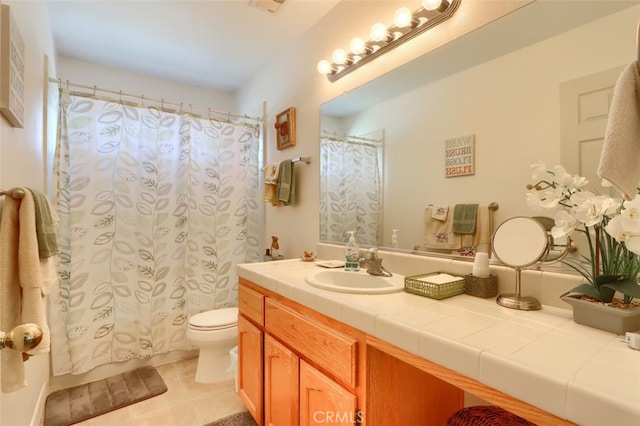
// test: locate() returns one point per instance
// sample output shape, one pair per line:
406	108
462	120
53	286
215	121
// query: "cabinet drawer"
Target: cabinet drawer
333	351
251	304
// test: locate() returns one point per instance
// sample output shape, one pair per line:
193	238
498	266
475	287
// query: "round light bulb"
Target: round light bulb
324	67
378	32
339	56
432	4
403	17
357	46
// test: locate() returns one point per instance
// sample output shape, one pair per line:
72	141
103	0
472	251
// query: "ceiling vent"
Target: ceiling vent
270	6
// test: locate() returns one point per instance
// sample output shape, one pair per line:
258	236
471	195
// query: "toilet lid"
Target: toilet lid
217	318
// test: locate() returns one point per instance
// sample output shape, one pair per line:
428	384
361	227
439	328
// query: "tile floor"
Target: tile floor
186	403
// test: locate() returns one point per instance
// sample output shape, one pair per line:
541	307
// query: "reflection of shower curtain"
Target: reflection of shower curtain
350	189
156	209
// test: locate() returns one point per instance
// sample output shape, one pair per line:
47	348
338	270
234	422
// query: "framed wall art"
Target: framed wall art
286	128
459	156
11	69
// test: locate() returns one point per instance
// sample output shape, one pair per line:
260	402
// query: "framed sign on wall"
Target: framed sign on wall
11	69
459	156
286	128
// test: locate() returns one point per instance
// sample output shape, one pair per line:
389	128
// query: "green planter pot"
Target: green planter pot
602	317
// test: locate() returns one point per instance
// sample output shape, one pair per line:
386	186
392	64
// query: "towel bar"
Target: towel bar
306	160
13	193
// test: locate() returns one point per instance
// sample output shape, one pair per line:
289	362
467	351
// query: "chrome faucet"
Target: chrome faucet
374	263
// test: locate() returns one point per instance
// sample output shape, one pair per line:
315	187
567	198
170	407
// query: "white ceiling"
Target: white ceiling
217	44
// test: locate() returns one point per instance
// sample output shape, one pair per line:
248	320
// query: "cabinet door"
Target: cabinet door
280	384
250	357
323	401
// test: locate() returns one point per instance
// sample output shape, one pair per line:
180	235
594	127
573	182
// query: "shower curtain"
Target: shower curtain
350	189
156	208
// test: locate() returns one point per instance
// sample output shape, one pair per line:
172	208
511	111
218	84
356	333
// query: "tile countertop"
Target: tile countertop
541	357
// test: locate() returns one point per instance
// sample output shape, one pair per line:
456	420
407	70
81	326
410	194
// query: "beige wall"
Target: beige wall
22	164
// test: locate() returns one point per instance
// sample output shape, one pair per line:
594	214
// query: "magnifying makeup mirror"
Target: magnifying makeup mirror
520	242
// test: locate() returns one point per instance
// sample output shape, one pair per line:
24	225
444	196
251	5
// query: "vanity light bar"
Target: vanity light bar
406	26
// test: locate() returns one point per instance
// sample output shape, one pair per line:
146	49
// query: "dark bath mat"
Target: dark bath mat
67	406
242	418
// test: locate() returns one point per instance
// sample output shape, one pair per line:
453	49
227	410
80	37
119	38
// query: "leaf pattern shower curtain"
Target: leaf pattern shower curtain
350	190
156	209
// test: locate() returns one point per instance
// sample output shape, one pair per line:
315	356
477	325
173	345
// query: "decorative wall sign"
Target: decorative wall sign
11	69
286	128
459	156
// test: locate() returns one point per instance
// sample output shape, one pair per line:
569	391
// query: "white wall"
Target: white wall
89	74
22	164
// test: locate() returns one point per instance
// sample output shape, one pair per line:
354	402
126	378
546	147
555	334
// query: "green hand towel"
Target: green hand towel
465	218
45	227
286	183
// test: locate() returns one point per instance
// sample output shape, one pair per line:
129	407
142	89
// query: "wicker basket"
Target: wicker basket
481	286
419	284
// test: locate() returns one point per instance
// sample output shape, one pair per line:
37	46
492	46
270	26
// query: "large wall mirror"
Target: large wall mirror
501	85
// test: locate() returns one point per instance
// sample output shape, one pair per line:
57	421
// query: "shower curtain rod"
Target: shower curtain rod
344	135
162	101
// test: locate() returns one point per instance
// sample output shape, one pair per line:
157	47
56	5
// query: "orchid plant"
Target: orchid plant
611	228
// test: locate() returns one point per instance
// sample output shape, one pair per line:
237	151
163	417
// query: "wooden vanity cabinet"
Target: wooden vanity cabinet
323	401
281	378
299	348
307	372
250	351
298	367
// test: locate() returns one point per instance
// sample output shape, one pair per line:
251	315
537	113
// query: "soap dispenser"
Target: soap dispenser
352	252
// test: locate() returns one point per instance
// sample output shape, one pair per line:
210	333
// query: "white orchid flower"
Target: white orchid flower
625	230
618	229
632	208
562	177
533	200
632	243
565	224
578	182
545	199
590	209
538	170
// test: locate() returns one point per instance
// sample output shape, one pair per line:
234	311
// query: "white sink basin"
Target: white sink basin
354	282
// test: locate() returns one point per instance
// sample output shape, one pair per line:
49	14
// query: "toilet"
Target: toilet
215	333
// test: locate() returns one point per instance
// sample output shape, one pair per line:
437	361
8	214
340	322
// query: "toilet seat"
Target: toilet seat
217	319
